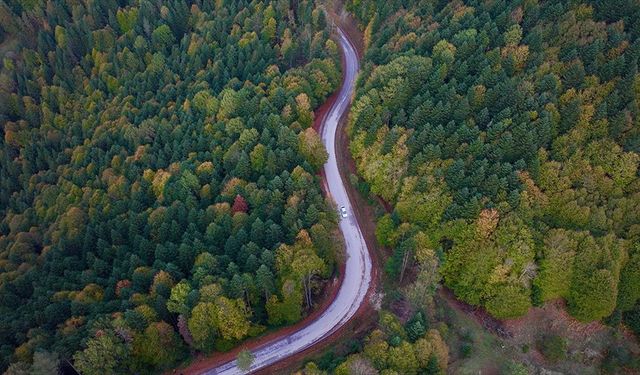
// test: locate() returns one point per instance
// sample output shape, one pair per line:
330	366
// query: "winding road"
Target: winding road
357	276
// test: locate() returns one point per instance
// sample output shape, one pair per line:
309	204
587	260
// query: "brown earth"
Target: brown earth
348	24
478	314
517	339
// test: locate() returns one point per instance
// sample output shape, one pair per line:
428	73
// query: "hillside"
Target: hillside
159	193
504	139
506	136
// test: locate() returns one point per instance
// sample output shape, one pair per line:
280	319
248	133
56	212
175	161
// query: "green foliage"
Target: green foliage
554	278
177	303
402	359
224	318
490	263
127	19
619	357
466	349
105	353
632	319
385	231
310	145
162	37
289	309
592	298
507	137
416	327
391	325
629	287
595	279
553	347
420	293
515	368
158	347
130	130
433	368
299	262
205	102
389	353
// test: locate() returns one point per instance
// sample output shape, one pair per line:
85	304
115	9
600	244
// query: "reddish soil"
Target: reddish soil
554	317
357	327
348	24
478	314
587	342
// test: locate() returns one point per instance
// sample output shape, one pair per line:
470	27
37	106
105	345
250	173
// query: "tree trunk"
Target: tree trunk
246	297
405	261
306	283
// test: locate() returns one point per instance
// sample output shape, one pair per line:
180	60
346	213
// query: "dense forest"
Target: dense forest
506	137
158	189
393	348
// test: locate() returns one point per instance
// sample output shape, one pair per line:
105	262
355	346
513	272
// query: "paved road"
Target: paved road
357	275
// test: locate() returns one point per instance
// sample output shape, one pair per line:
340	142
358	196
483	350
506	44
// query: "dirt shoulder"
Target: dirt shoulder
349	25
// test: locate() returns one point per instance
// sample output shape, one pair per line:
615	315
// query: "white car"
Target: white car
343	212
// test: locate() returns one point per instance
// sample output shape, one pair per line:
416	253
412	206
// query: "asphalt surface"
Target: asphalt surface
357	277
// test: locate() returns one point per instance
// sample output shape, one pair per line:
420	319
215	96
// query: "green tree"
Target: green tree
105	354
553	347
159	347
289	309
385	230
402	358
265	281
162	37
629	286
269	29
177	302
232	318
554	278
301	262
311	147
45	363
594	296
203	325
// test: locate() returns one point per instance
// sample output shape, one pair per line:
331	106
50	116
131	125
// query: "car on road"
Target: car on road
343	212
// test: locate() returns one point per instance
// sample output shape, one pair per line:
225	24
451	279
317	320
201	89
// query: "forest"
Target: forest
158	189
505	135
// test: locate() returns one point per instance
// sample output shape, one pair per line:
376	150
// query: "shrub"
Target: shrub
553	347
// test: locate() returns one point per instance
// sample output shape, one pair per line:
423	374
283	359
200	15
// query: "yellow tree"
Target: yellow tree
300	261
311	147
232	318
203	325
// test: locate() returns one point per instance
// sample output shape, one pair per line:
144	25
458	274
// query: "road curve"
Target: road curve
357	276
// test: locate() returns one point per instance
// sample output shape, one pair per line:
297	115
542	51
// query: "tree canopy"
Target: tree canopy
507	133
155	160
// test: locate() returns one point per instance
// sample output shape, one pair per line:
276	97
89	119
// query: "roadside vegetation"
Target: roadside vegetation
158	180
504	138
